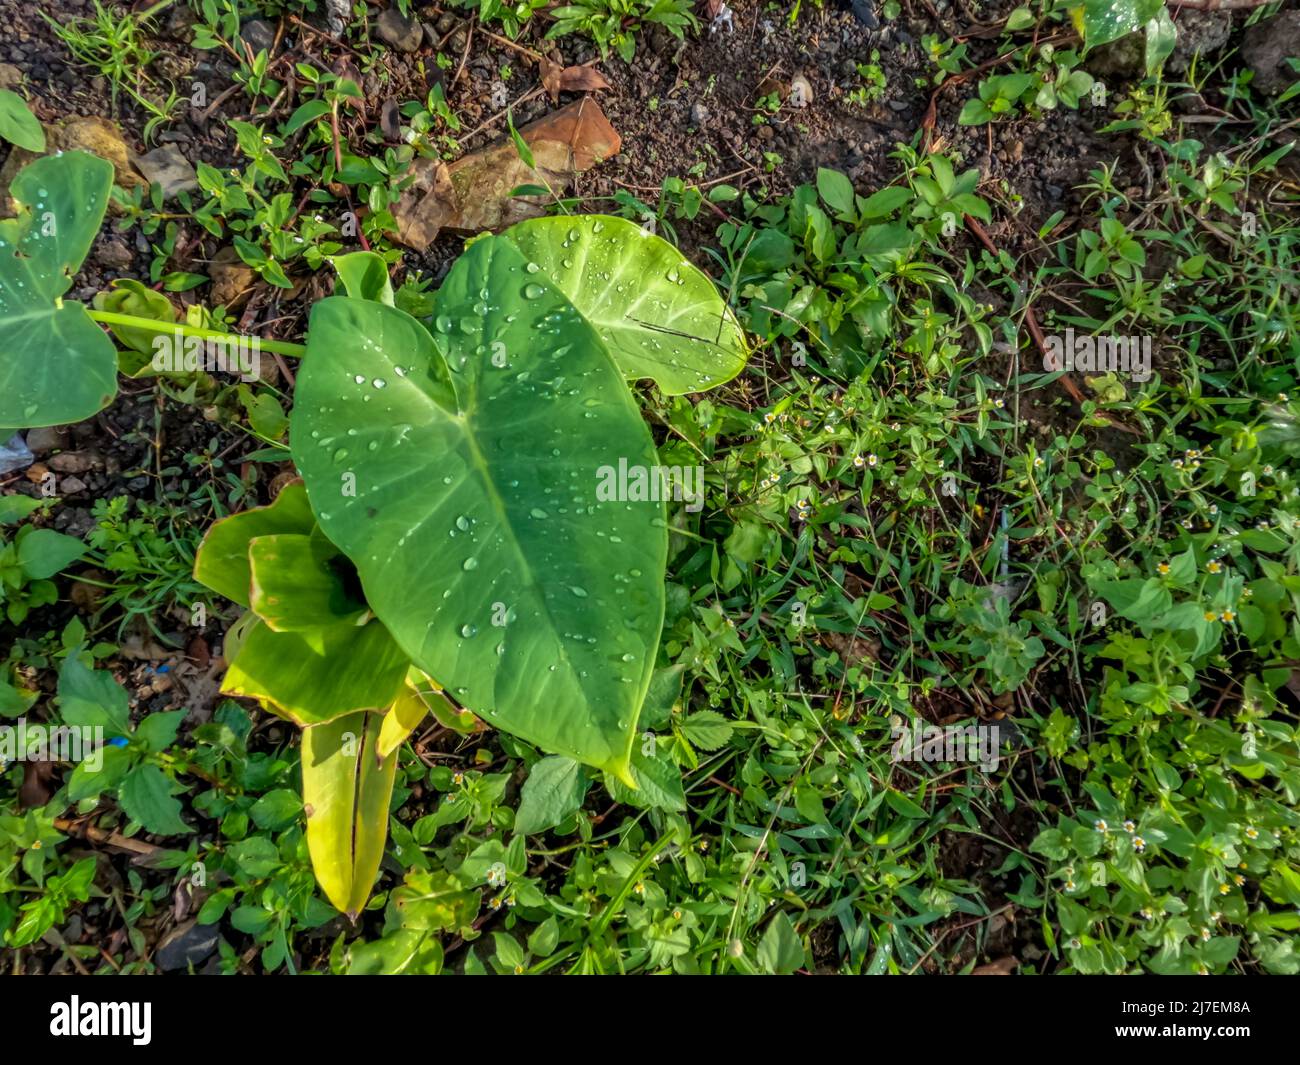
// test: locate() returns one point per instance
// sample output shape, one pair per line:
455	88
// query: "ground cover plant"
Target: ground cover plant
649	488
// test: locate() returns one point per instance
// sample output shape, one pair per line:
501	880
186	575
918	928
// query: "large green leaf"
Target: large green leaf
56	364
461	477
1108	20
346	790
318	675
659	316
222	562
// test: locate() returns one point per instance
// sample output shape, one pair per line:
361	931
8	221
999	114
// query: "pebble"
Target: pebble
398	31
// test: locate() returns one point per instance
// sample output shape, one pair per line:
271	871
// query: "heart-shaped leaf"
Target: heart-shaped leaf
659	315
460	470
56	365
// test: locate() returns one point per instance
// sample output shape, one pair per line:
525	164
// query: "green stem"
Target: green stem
284	347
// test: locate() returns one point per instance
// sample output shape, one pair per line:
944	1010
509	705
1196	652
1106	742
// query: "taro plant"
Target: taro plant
56	364
482	511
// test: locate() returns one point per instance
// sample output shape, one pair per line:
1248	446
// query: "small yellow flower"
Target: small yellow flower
1139	844
1162	568
1038	463
872	461
1129	827
1210	615
1192	453
37	845
1069	885
677	915
1246	593
1213	567
769	417
1146	913
519	970
1227	615
859	461
1100	825
1238	879
1224	889
1205	935
639	889
495	904
1252	832
1267	471
999	404
1178	464
458	778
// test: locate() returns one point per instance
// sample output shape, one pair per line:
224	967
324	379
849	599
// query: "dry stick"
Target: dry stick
464	54
536	56
499	116
109	839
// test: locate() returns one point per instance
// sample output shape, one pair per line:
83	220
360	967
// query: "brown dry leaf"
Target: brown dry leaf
1001	967
584	78
473	193
711	9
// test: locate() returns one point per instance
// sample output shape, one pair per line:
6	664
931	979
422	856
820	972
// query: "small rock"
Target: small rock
73	461
98	136
186	945
398	31
864	13
258	34
167	167
1199	33
49	438
231	277
71	486
114	253
699	114
801	94
765	133
444	24
898	105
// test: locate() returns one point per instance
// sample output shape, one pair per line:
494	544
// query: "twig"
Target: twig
108	839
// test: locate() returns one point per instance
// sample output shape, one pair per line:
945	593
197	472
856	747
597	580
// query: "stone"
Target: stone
699	114
114	253
168	168
232	278
188	944
98	136
45	439
398	31
258	34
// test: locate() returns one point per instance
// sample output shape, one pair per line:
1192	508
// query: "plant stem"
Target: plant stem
284	347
